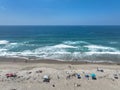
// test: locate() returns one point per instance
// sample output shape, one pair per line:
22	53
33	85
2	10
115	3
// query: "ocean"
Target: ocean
66	43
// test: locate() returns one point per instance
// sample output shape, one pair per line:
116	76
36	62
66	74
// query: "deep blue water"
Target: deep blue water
90	43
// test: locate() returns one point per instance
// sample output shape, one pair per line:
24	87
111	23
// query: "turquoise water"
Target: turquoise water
73	43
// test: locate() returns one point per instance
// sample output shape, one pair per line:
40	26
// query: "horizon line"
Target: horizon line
58	25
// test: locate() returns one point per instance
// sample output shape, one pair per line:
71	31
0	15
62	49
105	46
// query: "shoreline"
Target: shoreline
51	61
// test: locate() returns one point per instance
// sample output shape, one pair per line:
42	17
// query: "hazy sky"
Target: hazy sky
59	12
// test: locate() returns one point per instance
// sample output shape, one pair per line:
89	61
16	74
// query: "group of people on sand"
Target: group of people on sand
78	76
47	78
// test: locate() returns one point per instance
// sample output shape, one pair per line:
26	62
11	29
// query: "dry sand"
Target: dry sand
29	77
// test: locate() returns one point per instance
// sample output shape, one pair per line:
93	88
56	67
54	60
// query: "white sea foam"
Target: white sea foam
62	52
4	42
2	50
63	46
10	46
75	42
43	51
13	43
95	48
47	50
103	53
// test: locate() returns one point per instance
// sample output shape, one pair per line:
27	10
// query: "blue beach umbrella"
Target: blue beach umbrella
93	75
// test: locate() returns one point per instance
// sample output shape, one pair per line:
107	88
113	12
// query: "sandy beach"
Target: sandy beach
63	76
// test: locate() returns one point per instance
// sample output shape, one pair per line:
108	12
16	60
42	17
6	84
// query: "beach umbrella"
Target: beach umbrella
45	77
93	75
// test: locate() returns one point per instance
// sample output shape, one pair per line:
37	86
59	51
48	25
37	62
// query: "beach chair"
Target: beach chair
115	76
11	75
78	76
100	70
87	76
46	78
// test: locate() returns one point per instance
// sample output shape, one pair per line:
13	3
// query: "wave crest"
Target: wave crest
4	42
63	46
75	42
99	48
69	51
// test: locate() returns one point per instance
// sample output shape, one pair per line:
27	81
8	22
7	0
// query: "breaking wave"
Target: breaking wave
75	42
4	42
99	48
68	50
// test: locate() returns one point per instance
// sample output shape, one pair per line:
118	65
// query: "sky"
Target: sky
59	12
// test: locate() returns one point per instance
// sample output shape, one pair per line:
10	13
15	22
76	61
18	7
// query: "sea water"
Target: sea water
67	43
